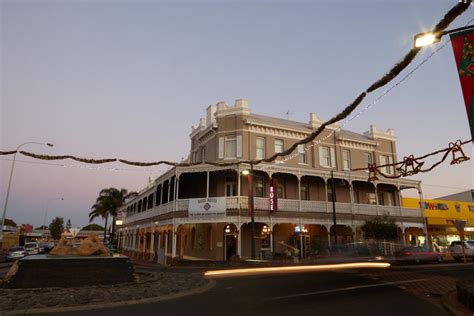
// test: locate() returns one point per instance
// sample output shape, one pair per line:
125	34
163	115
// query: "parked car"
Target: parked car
46	247
15	253
418	254
455	249
32	248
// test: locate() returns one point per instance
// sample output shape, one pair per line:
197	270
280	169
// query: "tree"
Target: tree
68	224
92	227
380	228
56	227
107	204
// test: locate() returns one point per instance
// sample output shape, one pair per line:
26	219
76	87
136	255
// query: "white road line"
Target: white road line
351	288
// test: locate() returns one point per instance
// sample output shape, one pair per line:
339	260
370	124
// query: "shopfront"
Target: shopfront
439	214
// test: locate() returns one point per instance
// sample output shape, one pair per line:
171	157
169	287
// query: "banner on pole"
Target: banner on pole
463	48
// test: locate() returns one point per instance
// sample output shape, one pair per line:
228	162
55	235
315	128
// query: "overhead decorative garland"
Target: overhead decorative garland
8	152
410	165
449	17
84	160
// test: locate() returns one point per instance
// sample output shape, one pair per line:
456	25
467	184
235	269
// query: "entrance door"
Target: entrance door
230	246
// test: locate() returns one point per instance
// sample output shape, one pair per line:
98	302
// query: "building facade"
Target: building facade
201	211
439	215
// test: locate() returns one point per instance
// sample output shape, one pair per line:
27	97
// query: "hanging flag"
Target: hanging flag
463	47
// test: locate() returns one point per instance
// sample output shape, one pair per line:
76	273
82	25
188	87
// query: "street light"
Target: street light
10	182
249	174
47	208
428	38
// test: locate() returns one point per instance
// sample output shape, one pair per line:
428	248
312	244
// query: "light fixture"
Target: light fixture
245	172
118	222
424	39
227	229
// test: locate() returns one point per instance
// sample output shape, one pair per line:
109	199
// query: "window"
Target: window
231	189
150	201
139	206
384	160
330	195
279	146
260	148
158	195
356	197
381	198
304	191
230	146
326	157
302	154
144	204
371	198
259	187
367	159
391	198
346	159
281	190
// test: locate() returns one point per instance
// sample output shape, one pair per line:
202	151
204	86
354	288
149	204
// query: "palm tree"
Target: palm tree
107	204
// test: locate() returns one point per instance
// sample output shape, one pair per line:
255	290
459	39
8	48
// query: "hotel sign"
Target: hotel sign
207	207
273	195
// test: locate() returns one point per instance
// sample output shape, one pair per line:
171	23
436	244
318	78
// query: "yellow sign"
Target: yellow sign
438	211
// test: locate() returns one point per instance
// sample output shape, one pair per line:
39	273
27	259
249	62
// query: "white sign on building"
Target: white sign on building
207	207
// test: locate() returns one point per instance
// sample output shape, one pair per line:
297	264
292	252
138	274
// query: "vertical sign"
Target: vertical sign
273	195
463	48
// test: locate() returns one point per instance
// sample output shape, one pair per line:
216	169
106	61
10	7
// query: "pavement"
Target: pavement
347	292
409	290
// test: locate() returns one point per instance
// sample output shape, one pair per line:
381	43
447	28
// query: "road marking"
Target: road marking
287	269
344	289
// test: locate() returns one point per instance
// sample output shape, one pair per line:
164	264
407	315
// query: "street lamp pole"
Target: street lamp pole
10	183
47	208
251	208
333	189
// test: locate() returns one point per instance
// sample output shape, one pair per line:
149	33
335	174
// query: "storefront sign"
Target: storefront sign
435	206
273	195
207	207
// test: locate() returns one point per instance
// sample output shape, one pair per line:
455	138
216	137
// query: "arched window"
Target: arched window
209	237
193	238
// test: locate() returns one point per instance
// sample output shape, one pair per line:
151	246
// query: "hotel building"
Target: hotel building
200	212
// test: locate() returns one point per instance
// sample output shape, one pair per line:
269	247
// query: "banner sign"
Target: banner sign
273	195
463	48
209	207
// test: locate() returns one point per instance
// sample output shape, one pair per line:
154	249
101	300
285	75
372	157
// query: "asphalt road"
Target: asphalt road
314	293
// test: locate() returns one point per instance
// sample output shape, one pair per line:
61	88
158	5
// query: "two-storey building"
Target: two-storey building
201	211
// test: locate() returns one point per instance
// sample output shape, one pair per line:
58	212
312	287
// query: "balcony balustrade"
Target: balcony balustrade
285	205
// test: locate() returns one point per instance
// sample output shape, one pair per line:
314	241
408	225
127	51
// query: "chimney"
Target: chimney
211	115
241	104
202	123
314	120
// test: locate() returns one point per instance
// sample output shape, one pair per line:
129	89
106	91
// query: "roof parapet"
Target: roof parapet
374	133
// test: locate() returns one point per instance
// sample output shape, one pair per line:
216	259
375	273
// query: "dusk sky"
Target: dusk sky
127	79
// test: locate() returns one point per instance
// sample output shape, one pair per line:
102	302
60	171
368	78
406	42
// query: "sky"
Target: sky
128	79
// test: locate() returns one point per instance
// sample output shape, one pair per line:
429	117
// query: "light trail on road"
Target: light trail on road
292	269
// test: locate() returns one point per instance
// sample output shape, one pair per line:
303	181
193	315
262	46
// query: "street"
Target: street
325	293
